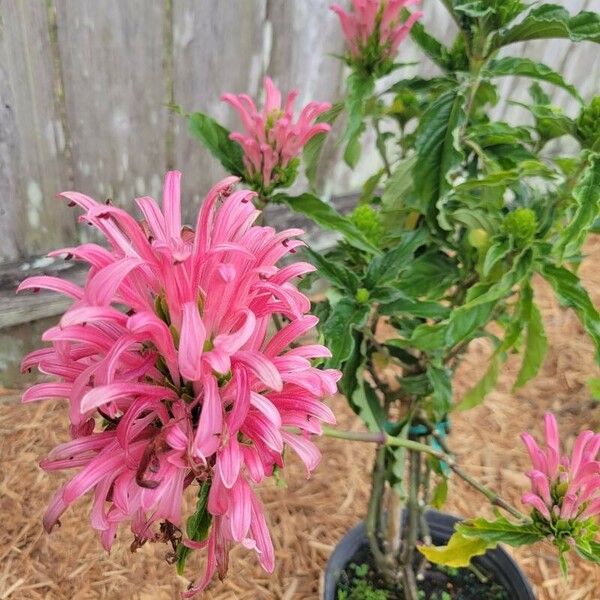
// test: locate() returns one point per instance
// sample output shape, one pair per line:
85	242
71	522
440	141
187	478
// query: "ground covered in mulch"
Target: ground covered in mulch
309	516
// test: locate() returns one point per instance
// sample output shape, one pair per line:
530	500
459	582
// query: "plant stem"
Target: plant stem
384	439
377	489
380	143
412	530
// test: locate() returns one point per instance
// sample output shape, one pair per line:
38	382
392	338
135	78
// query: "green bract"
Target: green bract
521	224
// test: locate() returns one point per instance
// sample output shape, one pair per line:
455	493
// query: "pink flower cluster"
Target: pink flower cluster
564	487
272	138
375	26
172	373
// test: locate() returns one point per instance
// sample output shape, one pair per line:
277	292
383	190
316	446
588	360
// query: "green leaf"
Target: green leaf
328	218
360	395
440	494
334	271
496	252
529	168
536	344
314	146
432	47
346	315
553	21
198	526
429	275
388	265
216	139
424	337
458	552
571	293
501	531
441	382
484	293
485	385
590	551
587	199
370	185
397	188
465	321
493	134
438	149
525	67
416	308
359	88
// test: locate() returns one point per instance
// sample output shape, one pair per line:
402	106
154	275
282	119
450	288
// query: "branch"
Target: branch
384	439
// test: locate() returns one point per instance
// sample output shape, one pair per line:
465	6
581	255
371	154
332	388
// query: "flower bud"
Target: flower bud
479	238
588	124
521	224
362	295
368	221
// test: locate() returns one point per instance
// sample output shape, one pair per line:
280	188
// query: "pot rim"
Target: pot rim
498	561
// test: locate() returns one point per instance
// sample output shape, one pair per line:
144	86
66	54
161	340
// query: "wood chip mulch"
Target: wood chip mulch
309	516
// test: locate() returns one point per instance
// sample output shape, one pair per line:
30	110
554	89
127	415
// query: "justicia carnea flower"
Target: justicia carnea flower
564	488
374	29
172	374
273	139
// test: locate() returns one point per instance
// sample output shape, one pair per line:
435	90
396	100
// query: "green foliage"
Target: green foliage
521	225
525	67
474	538
197	528
328	218
460	215
216	139
438	152
361	588
553	21
588	125
368	221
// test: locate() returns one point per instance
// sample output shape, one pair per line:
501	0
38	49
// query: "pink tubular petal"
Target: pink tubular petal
262	367
305	449
241	402
240	509
261	535
171	204
290	333
118	391
102	287
52	283
191	342
229	462
537	503
210	425
45	391
579	448
55	509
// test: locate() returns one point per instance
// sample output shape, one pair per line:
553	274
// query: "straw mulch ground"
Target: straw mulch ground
309	516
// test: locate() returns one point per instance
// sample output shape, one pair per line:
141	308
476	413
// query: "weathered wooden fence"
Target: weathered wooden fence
85	84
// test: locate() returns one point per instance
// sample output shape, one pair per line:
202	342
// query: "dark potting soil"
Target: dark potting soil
360	581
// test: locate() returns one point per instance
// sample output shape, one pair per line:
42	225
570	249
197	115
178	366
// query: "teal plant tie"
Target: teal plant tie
442	428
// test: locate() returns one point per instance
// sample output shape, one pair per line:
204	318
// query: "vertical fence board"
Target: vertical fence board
217	47
304	37
33	142
112	55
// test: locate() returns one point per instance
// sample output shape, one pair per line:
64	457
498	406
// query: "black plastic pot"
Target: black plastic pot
496	562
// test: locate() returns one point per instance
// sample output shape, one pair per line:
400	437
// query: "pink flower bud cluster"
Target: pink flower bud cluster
374	29
564	487
172	372
272	138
